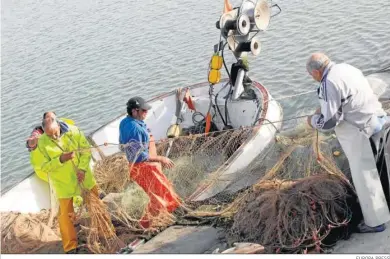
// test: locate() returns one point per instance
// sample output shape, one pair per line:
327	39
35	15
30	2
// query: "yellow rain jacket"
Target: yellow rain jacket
63	176
36	156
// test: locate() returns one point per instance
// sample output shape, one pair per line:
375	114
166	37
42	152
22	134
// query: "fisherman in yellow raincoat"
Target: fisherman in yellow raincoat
35	155
32	143
64	155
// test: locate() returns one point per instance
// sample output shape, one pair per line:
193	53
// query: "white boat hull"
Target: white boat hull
29	196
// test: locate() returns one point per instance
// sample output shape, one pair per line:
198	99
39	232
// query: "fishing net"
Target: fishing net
112	173
295	216
34	233
198	158
29	233
124	198
100	233
301	200
39	233
292	197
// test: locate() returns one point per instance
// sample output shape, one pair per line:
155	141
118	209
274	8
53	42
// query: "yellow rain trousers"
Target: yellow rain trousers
63	177
65	219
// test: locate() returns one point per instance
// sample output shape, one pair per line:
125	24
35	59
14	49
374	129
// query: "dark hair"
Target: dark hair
130	109
44	117
136	103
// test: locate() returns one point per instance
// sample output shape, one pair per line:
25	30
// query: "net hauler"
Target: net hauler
239	27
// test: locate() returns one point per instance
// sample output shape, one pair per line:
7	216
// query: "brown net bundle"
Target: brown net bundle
33	234
296	216
97	225
112	173
29	233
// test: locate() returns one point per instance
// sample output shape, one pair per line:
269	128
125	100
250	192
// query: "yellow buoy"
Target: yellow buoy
336	153
214	76
216	62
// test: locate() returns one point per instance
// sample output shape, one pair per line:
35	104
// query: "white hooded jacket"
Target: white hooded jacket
345	94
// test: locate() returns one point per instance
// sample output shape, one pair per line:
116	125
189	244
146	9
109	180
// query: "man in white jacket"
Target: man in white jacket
349	106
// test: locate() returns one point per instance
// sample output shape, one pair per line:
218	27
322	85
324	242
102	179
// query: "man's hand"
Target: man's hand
66	157
80	175
318	111
167	163
32	142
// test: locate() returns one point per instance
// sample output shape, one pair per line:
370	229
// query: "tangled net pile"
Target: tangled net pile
301	202
298	182
295	216
21	233
37	233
